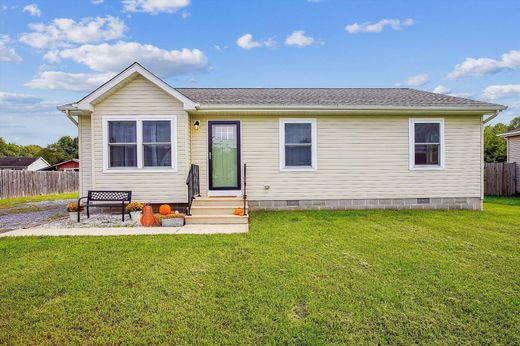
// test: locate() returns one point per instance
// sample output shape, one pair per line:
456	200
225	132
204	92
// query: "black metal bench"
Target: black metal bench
118	199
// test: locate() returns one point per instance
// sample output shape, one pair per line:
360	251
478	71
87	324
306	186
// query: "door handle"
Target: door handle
210	155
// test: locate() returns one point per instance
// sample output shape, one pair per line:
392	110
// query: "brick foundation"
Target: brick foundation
452	203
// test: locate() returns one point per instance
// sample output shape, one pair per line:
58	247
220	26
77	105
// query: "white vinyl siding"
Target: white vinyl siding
85	154
141	98
513	149
359	157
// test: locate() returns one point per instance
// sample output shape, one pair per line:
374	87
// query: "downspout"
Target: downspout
74	121
493	116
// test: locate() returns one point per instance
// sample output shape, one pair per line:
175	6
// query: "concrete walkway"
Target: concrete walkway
116	231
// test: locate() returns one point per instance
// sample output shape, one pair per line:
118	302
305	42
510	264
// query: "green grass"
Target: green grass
503	200
356	277
13	202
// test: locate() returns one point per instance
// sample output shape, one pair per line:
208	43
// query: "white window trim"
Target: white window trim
139	128
411	144
314	144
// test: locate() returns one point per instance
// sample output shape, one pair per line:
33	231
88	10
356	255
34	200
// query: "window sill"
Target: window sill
140	170
426	168
297	169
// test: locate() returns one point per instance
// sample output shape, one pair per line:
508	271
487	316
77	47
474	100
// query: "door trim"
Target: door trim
210	155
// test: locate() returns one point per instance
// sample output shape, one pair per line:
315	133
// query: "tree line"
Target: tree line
495	148
66	148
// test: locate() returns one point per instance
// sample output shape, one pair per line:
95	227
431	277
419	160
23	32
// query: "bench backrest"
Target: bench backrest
120	196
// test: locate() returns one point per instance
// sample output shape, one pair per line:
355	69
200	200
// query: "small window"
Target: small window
122	143
298	147
426	143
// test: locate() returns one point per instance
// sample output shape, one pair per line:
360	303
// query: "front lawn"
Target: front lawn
15	201
358	277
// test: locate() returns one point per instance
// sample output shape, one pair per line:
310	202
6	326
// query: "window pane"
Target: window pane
427	154
123	155
298	156
156	131
122	132
427	133
157	155
297	133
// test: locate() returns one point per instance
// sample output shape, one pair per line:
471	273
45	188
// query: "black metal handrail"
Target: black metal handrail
193	186
244	196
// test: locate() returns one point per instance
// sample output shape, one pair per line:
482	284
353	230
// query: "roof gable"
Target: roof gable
126	75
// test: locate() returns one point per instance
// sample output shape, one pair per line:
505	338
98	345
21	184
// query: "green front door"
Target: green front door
224	155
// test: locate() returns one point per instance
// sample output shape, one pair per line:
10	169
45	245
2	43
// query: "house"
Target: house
23	163
315	148
65	166
513	145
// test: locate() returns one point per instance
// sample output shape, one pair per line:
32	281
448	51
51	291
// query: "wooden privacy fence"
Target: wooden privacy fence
501	179
31	183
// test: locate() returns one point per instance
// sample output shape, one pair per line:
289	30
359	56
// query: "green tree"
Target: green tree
495	148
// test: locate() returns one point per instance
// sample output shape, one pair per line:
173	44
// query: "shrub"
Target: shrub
134	206
73	207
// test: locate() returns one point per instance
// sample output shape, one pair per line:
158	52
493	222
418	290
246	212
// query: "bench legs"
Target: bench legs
123	211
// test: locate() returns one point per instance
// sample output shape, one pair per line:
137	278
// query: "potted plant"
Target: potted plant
172	220
135	209
72	208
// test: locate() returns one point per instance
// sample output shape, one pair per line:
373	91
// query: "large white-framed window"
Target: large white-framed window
141	143
426	144
298	144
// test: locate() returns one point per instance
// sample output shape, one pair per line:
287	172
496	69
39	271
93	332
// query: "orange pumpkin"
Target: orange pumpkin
165	209
147	219
239	211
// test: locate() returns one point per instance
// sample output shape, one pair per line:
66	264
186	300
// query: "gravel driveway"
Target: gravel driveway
32	214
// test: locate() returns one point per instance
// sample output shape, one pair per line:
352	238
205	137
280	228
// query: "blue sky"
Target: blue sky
53	51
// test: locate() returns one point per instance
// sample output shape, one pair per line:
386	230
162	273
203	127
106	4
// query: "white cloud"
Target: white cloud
298	38
220	48
58	80
17	103
185	14
63	32
441	89
483	66
114	57
97	2
33	10
314	1
154	6
395	24
418	80
8	54
246	42
494	92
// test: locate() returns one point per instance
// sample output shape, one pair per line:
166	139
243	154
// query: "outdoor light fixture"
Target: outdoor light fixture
196	125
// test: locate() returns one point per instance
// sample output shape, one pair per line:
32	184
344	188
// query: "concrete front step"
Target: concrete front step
214	210
216	219
236	202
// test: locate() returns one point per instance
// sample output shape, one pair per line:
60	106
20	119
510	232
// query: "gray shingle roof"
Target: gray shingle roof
17	161
356	97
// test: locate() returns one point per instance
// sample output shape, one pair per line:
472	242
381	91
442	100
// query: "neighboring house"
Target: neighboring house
65	166
304	148
513	145
23	163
